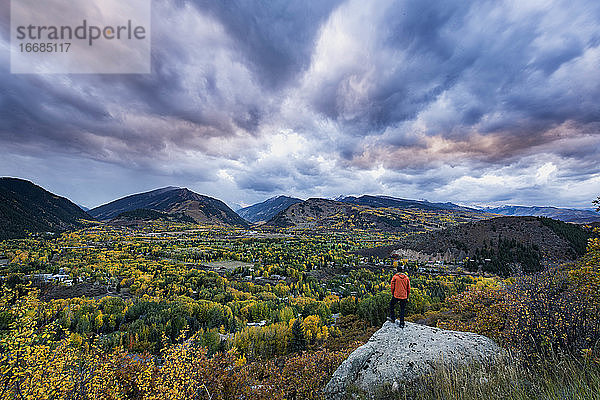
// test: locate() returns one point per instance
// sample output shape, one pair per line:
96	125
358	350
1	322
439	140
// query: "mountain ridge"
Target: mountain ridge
26	207
337	215
563	214
172	200
264	211
397	202
528	241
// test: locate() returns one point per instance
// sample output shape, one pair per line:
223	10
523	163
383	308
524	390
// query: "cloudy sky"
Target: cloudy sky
475	102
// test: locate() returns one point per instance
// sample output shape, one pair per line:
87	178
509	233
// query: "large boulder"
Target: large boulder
396	355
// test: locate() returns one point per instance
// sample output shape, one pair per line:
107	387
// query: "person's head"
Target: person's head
400	268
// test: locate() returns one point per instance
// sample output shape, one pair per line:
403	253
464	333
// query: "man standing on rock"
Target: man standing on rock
400	292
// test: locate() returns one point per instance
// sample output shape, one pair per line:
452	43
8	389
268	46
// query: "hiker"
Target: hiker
400	291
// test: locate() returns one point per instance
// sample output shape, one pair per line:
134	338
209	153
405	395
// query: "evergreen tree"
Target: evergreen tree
298	339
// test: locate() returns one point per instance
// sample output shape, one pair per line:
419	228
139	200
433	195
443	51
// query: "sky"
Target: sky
474	102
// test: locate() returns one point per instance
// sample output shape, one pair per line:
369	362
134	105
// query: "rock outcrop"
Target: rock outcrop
395	355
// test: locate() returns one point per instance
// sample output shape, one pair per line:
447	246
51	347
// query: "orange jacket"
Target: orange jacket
400	286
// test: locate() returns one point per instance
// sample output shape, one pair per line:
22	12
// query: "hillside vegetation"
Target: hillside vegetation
503	245
331	215
104	347
172	200
27	208
142	214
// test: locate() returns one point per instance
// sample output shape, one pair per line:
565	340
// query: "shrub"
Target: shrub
557	310
374	309
481	309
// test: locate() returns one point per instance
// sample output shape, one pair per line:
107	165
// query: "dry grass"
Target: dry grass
559	378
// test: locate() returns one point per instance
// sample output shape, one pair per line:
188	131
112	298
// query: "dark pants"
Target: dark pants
402	308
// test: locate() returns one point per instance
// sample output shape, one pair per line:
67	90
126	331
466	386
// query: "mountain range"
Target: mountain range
268	209
563	214
394	202
371	214
26	207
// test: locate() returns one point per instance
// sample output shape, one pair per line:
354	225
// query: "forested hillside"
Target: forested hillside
172	200
266	210
27	208
503	245
329	215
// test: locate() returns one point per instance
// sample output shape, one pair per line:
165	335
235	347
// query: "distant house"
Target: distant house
60	278
261	323
225	337
335	318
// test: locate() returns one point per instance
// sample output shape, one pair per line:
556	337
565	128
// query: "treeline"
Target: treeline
506	257
152	215
249	317
572	233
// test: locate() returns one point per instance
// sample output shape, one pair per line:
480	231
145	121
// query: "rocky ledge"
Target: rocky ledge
396	355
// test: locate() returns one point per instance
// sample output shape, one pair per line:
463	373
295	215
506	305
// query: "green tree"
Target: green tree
298	339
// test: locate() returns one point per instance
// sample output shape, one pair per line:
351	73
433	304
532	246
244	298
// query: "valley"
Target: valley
141	276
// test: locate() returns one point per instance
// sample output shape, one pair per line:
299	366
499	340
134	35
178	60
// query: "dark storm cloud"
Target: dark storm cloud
430	63
481	59
261	183
276	37
261	46
282	175
412	98
30	105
